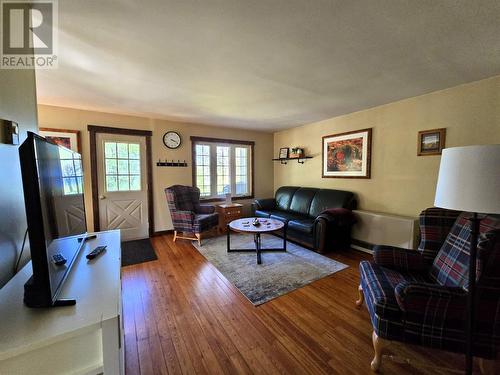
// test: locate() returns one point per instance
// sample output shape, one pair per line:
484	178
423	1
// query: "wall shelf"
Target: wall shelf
300	160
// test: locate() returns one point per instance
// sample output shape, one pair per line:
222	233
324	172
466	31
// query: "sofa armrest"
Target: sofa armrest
399	259
432	300
265	204
342	219
205	209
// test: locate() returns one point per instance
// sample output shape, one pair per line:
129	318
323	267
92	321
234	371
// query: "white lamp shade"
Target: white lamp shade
469	179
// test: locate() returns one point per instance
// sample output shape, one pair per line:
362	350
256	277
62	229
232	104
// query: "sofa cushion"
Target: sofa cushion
327	198
284	197
285	216
302	225
301	200
262	213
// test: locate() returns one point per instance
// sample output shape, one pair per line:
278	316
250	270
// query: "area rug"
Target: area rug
137	251
279	273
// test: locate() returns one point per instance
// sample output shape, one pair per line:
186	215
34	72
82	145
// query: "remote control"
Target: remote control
58	259
87	238
98	250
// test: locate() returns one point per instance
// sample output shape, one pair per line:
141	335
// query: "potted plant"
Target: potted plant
296	152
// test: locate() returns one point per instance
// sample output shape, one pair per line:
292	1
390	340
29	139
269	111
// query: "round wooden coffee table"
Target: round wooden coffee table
246	226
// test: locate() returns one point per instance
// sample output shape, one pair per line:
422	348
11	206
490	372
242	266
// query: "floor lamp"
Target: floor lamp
469	180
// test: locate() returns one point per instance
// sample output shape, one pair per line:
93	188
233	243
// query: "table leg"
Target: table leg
228	238
257	247
284	236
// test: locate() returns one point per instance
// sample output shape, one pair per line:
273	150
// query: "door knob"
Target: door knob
102	197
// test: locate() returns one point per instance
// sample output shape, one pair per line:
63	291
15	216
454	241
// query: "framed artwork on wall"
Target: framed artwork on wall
347	155
63	137
284	151
431	142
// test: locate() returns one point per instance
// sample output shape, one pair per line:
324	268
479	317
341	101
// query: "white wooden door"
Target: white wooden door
122	184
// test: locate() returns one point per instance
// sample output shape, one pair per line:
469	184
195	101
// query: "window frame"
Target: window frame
224	142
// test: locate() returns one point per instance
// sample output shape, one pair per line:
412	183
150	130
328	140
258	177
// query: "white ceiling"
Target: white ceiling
266	65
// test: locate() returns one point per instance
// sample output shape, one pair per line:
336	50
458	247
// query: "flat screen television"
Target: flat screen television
53	193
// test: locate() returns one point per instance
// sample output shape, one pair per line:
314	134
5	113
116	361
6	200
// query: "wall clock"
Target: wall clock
172	140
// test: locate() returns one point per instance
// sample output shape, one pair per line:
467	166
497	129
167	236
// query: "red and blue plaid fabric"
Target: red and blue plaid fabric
378	285
188	215
399	259
428	307
451	265
435	224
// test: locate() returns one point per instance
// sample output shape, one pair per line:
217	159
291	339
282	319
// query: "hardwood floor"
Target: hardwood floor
181	316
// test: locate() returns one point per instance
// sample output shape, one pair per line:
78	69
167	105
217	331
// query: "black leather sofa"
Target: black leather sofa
302	209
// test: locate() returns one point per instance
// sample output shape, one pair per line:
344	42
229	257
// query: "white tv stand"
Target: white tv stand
83	339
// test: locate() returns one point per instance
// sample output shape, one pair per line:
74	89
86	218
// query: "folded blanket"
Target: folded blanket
343	216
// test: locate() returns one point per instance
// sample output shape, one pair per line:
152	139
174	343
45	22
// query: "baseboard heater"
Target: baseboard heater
376	228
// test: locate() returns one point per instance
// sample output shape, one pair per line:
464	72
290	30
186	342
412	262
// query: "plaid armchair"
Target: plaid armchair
419	296
188	215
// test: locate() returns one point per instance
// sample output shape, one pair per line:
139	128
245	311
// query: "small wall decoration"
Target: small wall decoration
63	137
296	152
347	155
283	153
431	142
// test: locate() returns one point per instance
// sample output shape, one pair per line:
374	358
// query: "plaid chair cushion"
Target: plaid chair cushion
433	314
398	258
378	286
205	222
435	224
450	267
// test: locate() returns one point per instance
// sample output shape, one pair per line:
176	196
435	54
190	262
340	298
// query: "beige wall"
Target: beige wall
65	118
17	103
402	182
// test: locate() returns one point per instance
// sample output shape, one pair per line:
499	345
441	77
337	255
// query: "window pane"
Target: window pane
241	185
241	180
79	181
78	167
135	166
110	149
134	151
111	166
123	183
70	186
223	180
122	167
65	154
122	150
111	183
135	182
68	169
202	159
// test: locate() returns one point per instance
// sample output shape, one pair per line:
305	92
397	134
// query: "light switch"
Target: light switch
9	132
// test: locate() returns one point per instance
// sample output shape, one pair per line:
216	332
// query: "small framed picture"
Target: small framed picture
284	153
431	142
63	137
